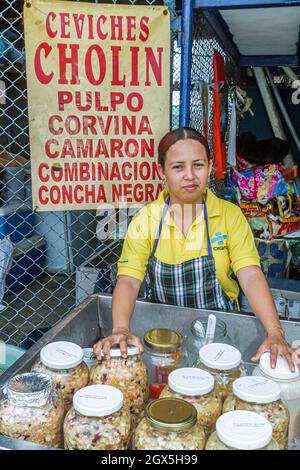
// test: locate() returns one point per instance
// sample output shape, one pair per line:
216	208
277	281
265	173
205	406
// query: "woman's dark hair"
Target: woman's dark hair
173	136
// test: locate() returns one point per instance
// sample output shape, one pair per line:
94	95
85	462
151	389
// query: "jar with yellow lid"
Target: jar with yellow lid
242	430
262	396
127	374
163	353
225	364
197	387
169	424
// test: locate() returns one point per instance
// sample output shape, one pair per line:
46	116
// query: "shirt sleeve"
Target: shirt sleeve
241	244
137	247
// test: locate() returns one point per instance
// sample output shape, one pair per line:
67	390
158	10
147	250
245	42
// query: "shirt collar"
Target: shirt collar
212	206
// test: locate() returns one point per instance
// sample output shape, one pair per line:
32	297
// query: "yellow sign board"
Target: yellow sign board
99	100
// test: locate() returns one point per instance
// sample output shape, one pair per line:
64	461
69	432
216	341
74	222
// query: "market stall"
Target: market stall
92	319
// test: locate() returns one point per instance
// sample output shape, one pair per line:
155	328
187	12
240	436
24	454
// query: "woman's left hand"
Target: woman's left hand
276	344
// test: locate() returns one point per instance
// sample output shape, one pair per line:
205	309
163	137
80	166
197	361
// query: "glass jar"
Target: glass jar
224	362
242	430
89	357
169	424
127	374
289	383
261	396
163	353
195	336
31	410
63	361
197	387
98	420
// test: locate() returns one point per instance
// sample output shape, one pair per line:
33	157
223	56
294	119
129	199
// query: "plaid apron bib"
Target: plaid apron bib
190	284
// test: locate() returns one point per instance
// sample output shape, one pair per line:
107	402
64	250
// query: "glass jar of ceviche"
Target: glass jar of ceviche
242	430
224	362
31	410
289	383
163	353
169	424
261	396
127	374
98	420
197	387
63	361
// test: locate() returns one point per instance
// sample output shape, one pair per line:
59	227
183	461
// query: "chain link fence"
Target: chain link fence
54	259
202	72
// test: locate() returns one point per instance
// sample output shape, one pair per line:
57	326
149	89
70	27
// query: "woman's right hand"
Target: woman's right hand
121	337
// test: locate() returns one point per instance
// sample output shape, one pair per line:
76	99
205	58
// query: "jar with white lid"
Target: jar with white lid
63	361
31	410
225	364
242	430
127	374
98	420
197	387
289	383
262	396
169	424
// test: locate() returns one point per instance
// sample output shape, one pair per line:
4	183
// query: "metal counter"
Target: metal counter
92	320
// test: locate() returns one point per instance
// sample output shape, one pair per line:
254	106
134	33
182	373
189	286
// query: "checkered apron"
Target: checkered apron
190	284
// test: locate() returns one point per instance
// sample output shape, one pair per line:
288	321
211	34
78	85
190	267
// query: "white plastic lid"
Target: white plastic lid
98	400
115	351
281	371
220	356
244	430
256	389
191	381
61	355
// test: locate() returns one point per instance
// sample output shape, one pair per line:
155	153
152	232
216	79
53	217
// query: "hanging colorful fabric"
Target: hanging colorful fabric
219	155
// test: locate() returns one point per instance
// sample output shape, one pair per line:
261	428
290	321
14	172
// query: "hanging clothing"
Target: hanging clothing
219	155
191	284
231	158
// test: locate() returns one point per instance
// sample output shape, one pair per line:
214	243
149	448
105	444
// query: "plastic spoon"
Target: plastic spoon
199	329
211	327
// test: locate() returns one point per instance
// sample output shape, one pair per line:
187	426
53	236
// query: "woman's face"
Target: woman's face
186	171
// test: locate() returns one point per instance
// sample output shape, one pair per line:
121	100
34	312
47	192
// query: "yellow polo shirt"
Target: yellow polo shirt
230	234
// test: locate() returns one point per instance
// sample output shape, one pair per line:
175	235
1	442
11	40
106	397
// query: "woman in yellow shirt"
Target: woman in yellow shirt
191	245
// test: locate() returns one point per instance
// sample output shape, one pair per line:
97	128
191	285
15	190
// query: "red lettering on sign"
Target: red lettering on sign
40	74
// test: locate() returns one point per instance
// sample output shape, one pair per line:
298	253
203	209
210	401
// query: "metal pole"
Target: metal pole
271	109
290	73
186	61
283	110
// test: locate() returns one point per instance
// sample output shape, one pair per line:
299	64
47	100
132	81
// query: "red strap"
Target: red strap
219	154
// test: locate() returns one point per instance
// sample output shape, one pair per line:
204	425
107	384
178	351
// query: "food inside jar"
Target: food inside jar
66	381
42	425
97	433
148	438
128	375
275	412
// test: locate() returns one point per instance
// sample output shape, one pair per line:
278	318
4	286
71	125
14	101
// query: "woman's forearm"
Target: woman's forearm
123	302
257	291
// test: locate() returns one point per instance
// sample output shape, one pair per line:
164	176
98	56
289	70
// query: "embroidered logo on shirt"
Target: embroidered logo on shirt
219	239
